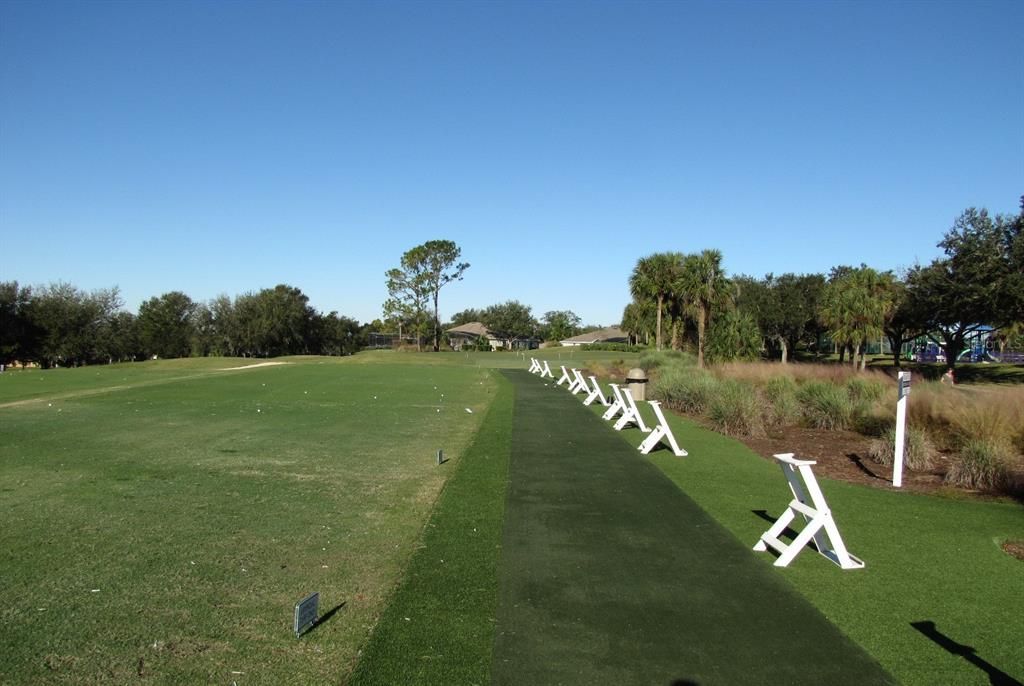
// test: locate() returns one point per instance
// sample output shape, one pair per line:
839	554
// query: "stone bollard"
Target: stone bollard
637	380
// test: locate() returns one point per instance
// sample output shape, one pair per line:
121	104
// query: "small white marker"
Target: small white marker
469	410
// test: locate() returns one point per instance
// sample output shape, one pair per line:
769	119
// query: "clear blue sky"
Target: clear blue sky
222	147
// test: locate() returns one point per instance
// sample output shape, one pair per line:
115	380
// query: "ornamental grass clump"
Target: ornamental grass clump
918	450
781	407
654	359
735	409
865	390
685	389
980	464
825	405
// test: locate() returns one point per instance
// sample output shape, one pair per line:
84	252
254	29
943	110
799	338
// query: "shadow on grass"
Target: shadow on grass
322	619
788	532
996	676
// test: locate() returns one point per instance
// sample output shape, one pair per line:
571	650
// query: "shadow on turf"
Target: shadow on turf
788	532
322	619
996	676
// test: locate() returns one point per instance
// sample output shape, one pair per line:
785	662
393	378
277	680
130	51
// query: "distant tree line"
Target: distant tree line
61	325
688	301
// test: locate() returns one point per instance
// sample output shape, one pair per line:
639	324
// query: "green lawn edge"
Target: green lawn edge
439	626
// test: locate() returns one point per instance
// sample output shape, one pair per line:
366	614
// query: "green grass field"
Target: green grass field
161	519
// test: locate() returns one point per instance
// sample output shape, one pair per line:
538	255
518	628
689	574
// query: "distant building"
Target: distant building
610	334
469	334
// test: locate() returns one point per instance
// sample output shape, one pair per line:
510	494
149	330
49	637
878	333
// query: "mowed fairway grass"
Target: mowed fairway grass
161	519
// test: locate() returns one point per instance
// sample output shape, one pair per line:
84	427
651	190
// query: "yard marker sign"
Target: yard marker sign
809	502
663	430
306	611
903	379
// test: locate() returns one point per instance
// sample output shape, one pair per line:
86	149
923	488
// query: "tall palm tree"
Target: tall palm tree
855	306
653	278
704	287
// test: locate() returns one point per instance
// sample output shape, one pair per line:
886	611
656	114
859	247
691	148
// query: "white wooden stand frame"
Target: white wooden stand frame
595	393
534	366
662	431
546	371
809	502
565	377
579	384
618	404
630	413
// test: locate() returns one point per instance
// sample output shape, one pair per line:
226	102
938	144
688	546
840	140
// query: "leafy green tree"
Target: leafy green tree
224	333
559	325
978	283
424	271
654	278
284	322
124	343
69	322
166	326
336	335
733	335
638	320
510	320
702	284
785	308
465	317
906	320
18	335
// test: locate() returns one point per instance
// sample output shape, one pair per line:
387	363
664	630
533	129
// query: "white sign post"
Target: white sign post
903	381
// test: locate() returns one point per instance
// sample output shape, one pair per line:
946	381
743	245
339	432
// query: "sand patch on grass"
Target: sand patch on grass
251	366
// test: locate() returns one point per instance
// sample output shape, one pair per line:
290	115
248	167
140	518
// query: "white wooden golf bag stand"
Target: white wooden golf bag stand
809	502
662	431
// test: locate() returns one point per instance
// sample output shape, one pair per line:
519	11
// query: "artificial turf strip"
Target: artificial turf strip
611	575
439	626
